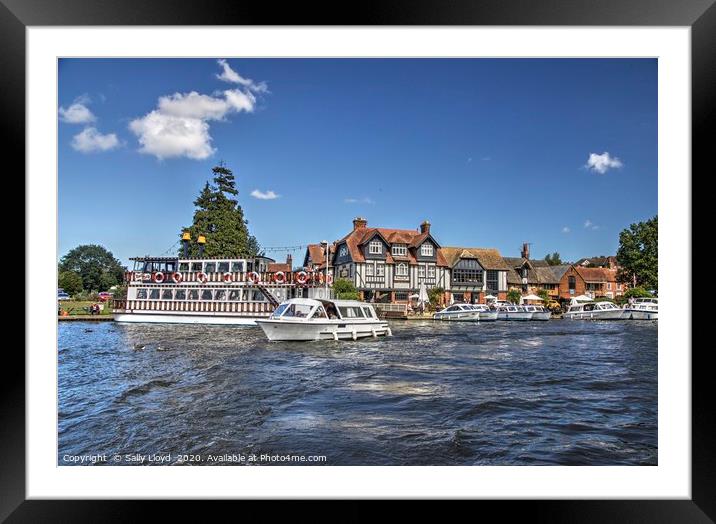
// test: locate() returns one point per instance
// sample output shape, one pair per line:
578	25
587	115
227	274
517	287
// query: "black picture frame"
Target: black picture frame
699	15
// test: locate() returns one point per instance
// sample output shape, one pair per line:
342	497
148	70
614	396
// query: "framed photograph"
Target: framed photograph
411	255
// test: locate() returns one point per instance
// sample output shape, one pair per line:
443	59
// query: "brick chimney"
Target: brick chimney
525	250
359	222
289	261
425	227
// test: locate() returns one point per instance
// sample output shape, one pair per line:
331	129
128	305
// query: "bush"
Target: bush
435	297
636	292
514	296
345	289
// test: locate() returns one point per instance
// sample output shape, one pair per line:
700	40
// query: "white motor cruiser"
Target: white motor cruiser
538	312
486	314
312	319
458	312
512	312
642	309
594	311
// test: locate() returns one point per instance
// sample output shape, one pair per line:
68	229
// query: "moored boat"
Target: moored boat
458	313
486	314
538	312
594	311
302	319
642	309
512	312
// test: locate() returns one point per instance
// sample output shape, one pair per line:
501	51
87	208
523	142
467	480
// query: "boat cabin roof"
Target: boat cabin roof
316	302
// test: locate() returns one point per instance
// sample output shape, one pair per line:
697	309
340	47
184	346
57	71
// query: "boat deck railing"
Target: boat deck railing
287	278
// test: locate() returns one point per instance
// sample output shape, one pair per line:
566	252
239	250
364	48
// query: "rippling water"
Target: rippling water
502	393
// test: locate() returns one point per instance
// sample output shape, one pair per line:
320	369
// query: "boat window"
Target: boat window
237	267
170	266
180	294
368	313
331	310
210	267
196	266
350	312
223	267
454	308
167	294
206	294
297	310
280	309
141	294
220	294
320	313
193	294
184	266
154	294
235	295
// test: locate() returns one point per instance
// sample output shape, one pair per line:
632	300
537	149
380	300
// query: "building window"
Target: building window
401	295
380	270
493	280
400	250
369	270
609	286
467	271
401	270
421	271
375	247
431	271
343	251
426	249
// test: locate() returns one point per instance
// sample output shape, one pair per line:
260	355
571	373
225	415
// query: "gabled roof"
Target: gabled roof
560	270
489	258
596	274
356	238
318	255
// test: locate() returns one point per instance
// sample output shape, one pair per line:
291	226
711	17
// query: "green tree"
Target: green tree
345	289
638	254
514	296
544	295
96	266
220	219
554	259
70	281
435	297
636	292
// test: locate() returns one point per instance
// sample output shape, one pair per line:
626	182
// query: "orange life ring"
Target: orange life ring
301	277
253	277
158	277
202	277
228	277
279	277
177	277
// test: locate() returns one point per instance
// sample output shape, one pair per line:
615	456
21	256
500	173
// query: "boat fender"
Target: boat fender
228	277
279	277
375	335
177	277
301	277
389	331
253	277
354	335
335	335
158	277
202	277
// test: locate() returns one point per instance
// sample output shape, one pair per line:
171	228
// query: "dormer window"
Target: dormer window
400	250
426	249
343	251
375	247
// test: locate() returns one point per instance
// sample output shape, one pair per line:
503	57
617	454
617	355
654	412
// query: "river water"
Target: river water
501	393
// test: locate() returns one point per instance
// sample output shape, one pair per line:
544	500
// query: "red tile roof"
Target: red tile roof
596	274
411	238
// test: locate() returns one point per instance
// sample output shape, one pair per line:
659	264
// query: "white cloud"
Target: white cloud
565	229
602	163
588	224
77	113
365	200
268	195
179	126
231	76
90	140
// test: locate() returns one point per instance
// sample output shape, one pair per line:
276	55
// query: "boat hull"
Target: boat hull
617	314
541	315
514	315
276	330
461	316
153	318
640	314
488	316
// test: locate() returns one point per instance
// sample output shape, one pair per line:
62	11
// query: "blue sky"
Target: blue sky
494	152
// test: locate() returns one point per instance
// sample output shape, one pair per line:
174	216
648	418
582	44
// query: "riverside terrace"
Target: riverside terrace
389	265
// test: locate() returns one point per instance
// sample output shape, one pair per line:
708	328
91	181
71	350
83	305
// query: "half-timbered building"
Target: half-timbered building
475	273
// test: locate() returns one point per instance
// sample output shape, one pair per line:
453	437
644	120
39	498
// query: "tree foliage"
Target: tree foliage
435	297
345	289
637	292
514	296
638	254
96	266
219	217
70	281
544	295
554	259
